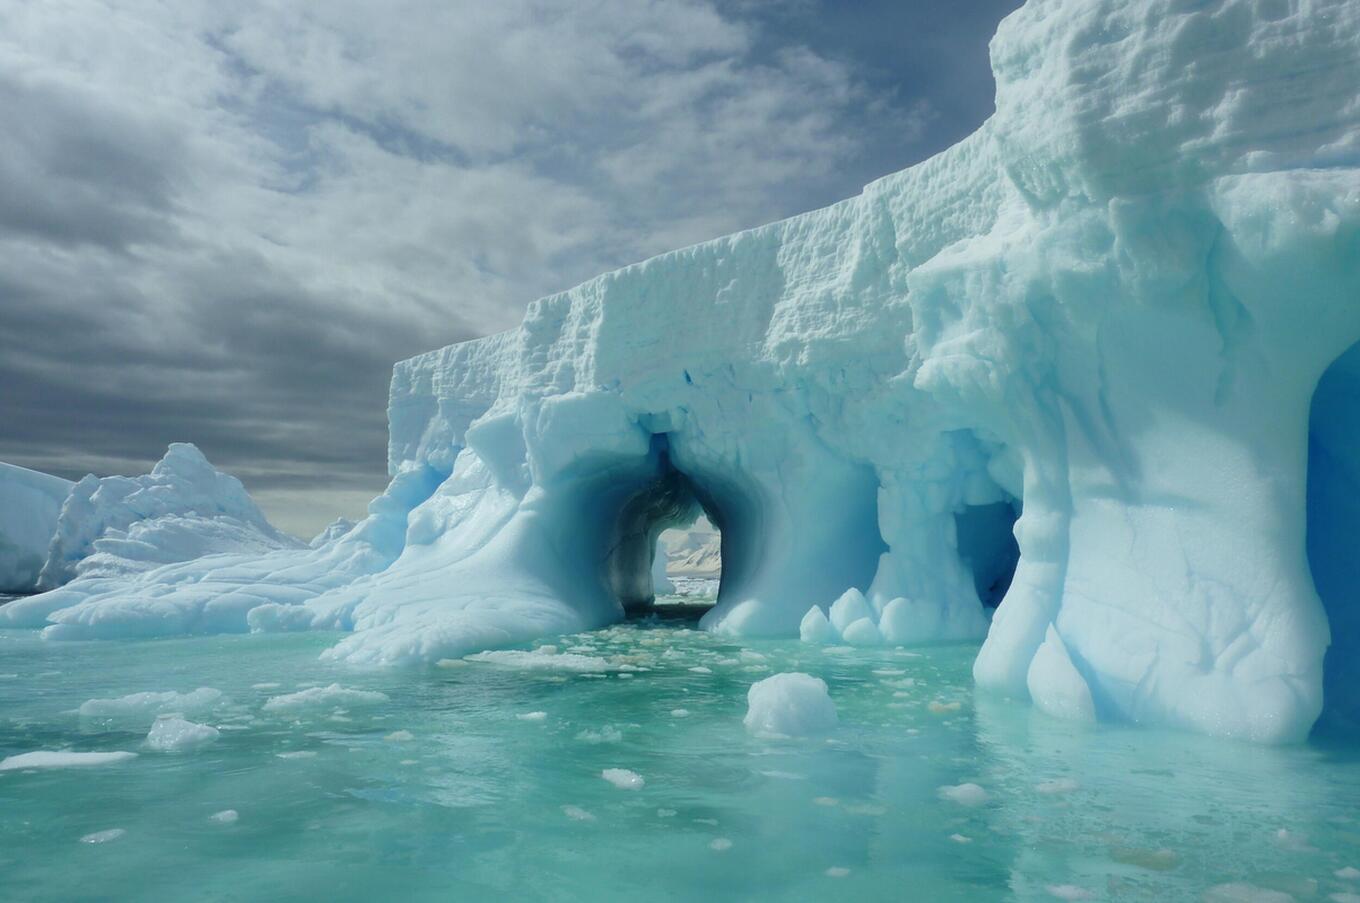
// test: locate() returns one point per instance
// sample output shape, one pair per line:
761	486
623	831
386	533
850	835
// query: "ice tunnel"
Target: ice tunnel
1333	532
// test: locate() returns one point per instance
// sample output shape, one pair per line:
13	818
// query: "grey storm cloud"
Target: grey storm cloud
223	223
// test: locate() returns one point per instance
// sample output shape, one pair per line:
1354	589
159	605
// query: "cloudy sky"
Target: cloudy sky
221	222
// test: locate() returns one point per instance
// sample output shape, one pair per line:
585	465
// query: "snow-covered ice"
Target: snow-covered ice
144	707
1095	363
623	778
790	704
328	697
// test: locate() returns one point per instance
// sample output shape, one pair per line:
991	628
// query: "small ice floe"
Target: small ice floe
960	838
963	794
701	669
50	759
665	813
720	844
576	813
623	779
837	871
296	754
1069	892
1242	892
1058	785
1349	873
943	708
225	817
606	734
399	737
171	733
791	704
104	836
1289	840
329	697
267	685
826	801
533	716
679	713
144	707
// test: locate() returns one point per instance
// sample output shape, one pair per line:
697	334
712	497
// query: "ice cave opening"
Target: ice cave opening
673	502
985	537
1333	531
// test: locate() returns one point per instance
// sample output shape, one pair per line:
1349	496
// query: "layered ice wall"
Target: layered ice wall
30	503
1065	367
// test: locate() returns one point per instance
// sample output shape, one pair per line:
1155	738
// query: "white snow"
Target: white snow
172	733
333	696
1081	345
623	779
49	759
791	704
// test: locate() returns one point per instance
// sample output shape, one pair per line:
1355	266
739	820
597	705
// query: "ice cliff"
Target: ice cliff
30	503
1092	365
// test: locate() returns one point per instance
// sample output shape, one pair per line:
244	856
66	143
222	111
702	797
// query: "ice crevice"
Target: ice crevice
1096	360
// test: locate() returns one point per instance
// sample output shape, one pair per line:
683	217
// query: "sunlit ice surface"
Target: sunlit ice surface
483	779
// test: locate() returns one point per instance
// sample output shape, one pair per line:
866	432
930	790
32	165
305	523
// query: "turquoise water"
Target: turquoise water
444	792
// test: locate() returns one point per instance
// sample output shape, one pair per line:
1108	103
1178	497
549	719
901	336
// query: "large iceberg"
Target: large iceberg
1094	365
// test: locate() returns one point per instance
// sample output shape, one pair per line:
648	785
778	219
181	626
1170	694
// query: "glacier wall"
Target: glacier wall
1065	367
30	503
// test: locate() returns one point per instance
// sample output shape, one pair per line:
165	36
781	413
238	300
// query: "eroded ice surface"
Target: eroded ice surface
445	791
1067	366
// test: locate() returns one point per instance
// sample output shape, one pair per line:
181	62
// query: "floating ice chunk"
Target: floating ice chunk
323	698
665	813
46	759
1069	892
815	628
963	794
1241	892
623	779
538	660
959	838
679	713
1349	873
837	871
791	704
533	716
225	817
143	707
296	754
849	608
701	669
104	836
606	734
399	736
172	733
576	813
1054	683
720	844
1059	785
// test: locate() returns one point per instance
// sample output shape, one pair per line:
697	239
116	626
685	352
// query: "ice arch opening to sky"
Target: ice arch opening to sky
1333	534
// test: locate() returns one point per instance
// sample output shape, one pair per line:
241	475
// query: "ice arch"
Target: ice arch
1333	533
1111	305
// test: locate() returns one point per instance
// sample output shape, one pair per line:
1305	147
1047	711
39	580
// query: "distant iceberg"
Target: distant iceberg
1095	365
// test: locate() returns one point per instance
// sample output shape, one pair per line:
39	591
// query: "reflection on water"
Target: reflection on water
478	780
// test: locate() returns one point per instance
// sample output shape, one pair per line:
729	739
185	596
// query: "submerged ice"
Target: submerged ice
1080	387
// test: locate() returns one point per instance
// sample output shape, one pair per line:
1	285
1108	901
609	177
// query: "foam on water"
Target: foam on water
442	790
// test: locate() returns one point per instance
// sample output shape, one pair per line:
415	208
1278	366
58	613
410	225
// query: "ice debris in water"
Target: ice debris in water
104	836
146	706
791	704
48	759
539	660
323	697
720	844
171	733
1242	892
533	716
1069	892
963	794
225	817
606	734
399	736
1349	873
623	779
576	813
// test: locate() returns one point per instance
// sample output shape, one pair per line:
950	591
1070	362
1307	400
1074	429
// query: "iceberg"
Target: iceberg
1084	387
30	503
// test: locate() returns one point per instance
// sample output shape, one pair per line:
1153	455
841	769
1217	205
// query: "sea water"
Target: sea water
485	780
